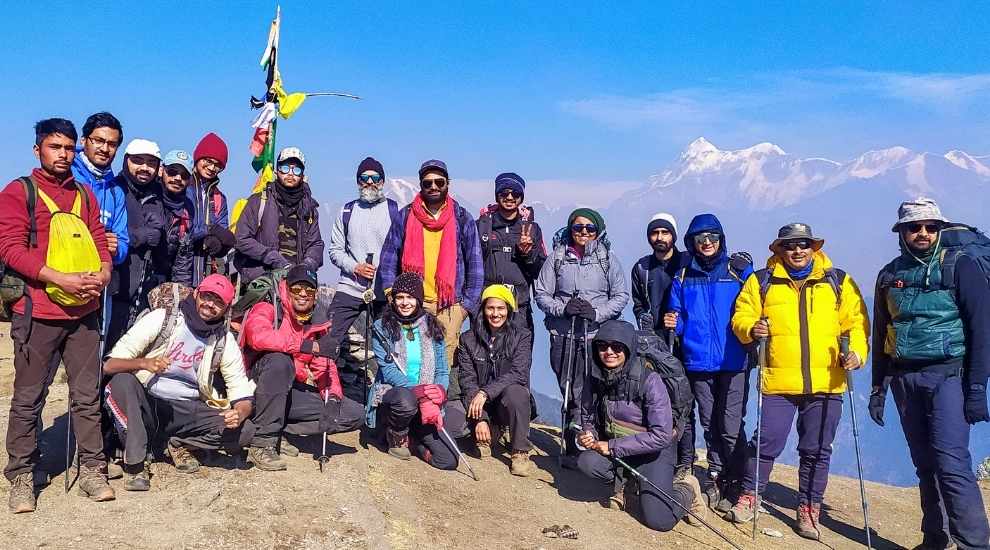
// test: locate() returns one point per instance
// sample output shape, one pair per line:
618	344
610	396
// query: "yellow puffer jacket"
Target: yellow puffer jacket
805	325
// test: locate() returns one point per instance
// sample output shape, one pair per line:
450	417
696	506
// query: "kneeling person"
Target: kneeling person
167	385
298	386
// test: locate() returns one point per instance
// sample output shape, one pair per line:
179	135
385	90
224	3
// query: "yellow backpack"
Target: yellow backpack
71	248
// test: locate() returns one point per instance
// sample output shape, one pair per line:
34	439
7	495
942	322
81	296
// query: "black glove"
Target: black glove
329	347
575	306
587	311
975	404
740	261
152	236
218	241
212	246
877	401
646	321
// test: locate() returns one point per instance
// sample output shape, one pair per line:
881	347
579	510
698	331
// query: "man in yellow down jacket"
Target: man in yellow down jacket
807	305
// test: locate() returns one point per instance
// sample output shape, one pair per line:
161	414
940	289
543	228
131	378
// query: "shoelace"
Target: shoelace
805	511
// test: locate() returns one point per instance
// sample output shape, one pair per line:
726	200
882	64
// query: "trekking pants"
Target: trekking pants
658	513
817	419
579	371
345	311
35	342
452	320
930	405
280	402
721	401
511	409
400	410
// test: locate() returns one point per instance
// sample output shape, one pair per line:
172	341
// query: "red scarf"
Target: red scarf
412	250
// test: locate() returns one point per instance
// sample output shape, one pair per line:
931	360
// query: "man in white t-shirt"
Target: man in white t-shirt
164	387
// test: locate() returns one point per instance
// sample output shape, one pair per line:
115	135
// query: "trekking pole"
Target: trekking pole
667	496
761	364
844	352
323	458
368	300
460	455
671	340
568	372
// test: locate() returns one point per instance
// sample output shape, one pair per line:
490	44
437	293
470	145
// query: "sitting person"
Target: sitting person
410	388
626	413
163	383
493	359
289	358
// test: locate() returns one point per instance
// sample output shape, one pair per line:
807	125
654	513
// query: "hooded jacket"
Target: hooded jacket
491	366
644	409
256	249
146	223
110	196
177	260
503	262
210	208
806	321
704	302
260	335
650	287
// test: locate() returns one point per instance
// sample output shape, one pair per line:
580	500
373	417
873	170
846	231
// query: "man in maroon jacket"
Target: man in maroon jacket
40	326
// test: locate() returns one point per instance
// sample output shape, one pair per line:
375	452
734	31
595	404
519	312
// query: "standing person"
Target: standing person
931	321
58	312
512	249
410	388
626	414
653	273
702	299
494	359
212	237
580	287
803	305
437	239
280	226
146	224
176	257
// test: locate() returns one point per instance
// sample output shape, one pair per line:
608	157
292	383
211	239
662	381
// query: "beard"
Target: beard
372	194
661	246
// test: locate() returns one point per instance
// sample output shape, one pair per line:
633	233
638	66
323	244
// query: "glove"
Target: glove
435	393
877	401
220	240
212	246
430	413
646	321
740	261
329	346
574	307
587	311
975	404
152	236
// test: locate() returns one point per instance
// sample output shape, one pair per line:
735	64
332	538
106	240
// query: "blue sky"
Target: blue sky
585	93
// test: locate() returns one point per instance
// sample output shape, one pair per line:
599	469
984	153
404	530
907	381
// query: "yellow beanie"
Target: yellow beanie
501	292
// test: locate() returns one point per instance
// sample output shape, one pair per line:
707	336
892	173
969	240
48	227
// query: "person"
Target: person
165	387
175	175
702	298
512	249
136	275
437	238
930	347
802	304
410	388
626	414
280	226
359	233
494	359
289	357
580	287
212	238
57	313
652	274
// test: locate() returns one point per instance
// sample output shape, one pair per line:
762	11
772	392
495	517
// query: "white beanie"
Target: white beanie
662	219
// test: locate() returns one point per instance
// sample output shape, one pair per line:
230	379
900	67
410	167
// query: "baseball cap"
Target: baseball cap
433	165
143	147
291	153
219	285
178	156
301	274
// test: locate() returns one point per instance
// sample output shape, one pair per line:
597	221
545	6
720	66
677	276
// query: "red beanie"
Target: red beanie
211	146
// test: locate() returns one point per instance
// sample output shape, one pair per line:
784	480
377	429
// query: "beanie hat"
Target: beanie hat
510	180
662	220
409	283
211	146
500	292
369	163
592	215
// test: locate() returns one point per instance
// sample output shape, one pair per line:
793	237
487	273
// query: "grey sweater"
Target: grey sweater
368	227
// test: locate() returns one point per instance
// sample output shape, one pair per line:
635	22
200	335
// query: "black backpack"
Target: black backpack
957	240
656	357
12	285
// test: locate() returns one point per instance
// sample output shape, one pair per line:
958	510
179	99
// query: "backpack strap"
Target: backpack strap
763	277
218	348
835	278
261	206
31	195
345	215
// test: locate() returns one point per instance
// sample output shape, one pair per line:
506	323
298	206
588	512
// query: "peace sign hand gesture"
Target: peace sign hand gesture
525	245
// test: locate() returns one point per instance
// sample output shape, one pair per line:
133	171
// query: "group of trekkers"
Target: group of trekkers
137	284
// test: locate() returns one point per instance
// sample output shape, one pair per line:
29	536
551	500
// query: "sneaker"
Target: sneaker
398	445
807	521
484	450
265	458
712	496
22	497
137	477
698	507
287	449
93	484
182	458
744	508
681	472
521	465
114	471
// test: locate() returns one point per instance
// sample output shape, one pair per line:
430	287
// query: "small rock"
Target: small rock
772	533
79	539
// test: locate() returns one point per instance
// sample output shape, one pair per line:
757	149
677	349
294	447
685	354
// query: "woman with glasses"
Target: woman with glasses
280	226
580	286
626	414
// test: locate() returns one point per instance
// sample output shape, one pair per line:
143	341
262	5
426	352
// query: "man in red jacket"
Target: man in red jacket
298	388
40	327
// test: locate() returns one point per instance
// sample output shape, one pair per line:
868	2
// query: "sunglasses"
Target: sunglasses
589	227
616	347
702	238
791	246
439	183
176	171
370	178
290	169
929	227
303	291
509	193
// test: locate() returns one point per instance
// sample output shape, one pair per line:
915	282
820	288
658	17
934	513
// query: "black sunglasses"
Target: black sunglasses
929	227
370	178
176	171
439	183
616	347
509	193
589	227
791	246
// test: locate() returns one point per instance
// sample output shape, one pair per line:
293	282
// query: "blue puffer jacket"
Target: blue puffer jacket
113	205
704	302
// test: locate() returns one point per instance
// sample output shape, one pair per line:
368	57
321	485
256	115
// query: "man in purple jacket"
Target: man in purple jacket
626	413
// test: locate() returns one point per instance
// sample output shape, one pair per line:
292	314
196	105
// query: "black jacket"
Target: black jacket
651	280
135	276
502	261
484	364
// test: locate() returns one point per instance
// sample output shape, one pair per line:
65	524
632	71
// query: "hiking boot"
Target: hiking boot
521	465
137	477
484	450
681	472
712	495
265	458
698	507
93	484
807	521
744	508
398	445
22	497
928	545
618	499
182	458
287	449
114	471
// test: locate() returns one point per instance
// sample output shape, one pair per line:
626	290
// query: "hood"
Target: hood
700	224
319	314
616	331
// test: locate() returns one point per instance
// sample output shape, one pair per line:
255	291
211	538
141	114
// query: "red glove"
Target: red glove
430	413
435	393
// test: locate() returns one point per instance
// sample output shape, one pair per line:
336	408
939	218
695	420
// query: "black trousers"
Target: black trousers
345	310
400	411
511	409
721	406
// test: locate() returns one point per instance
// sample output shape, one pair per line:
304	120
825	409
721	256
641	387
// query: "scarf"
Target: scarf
412	251
196	324
100	173
175	203
800	274
428	366
288	198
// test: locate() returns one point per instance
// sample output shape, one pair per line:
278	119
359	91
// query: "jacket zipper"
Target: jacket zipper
805	339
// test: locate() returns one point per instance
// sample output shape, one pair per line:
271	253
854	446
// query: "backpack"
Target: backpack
12	285
71	248
526	215
738	263
262	288
656	357
833	276
958	240
560	250
168	296
393	214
